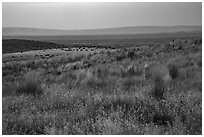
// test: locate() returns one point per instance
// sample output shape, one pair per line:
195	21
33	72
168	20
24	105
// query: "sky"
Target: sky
76	16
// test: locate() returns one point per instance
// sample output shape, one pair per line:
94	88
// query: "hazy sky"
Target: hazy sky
99	15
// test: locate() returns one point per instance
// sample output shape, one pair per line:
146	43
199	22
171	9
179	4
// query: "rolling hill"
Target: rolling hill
15	31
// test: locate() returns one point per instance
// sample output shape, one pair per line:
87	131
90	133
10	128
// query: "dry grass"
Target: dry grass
106	99
173	71
31	84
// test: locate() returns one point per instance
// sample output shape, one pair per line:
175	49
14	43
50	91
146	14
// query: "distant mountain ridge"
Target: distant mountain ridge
20	31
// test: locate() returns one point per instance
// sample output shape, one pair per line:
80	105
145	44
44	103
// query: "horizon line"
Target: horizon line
106	27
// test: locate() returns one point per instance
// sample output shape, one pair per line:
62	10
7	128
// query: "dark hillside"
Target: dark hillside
17	45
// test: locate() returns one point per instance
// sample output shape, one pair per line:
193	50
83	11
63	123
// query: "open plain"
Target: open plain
131	84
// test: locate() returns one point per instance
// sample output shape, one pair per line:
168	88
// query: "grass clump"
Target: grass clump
131	71
161	80
159	87
173	71
31	84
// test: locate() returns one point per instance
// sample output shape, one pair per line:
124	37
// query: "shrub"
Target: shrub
31	64
159	87
159	75
75	58
120	57
130	70
31	84
197	41
173	71
161	79
131	54
134	70
91	80
150	70
148	54
74	78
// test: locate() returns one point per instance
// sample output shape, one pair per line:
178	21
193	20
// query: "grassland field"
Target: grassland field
112	85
